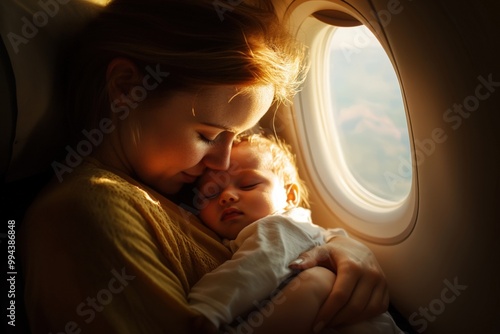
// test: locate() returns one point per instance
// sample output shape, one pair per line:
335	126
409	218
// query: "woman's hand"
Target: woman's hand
360	290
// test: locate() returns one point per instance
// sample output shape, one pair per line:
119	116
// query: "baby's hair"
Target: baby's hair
281	161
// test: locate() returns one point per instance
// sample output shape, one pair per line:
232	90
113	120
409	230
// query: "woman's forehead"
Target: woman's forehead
231	107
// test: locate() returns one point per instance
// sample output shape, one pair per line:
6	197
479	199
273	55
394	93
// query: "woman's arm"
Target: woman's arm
360	290
293	309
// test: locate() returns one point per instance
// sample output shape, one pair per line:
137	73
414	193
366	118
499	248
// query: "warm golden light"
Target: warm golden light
100	2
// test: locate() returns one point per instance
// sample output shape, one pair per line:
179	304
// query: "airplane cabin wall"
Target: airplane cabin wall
443	276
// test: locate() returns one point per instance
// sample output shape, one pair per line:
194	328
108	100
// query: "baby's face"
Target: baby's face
247	191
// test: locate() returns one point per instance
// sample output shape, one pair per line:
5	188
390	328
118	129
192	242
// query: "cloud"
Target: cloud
360	118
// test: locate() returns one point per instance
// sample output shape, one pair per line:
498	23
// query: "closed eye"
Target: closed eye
249	186
205	139
211	196
210	190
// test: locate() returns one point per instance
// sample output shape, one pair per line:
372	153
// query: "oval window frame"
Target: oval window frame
365	215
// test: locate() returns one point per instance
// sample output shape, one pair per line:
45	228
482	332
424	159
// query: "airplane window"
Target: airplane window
355	138
368	114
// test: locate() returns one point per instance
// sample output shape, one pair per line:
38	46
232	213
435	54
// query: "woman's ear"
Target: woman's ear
292	195
121	76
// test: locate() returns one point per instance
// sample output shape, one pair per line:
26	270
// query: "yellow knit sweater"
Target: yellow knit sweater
103	253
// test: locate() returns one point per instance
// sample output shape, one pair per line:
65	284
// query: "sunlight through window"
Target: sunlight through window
369	114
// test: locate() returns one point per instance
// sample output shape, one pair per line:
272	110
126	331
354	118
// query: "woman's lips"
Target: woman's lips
188	178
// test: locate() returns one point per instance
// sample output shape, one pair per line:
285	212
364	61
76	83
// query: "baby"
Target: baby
259	207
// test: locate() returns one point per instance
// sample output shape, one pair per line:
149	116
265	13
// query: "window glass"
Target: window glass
369	114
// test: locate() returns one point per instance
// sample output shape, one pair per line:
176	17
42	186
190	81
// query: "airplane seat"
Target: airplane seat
7	107
33	34
31	105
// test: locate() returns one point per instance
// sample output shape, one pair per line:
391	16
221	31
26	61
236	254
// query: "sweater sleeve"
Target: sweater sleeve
260	264
101	255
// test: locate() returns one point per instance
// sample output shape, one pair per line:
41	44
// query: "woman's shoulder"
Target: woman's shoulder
88	183
90	205
90	194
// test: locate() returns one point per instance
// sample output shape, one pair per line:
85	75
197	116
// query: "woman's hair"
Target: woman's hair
190	43
279	159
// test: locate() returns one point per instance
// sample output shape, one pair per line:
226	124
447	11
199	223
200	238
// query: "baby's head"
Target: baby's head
262	179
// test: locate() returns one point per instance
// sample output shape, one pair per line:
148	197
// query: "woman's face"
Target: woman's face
171	141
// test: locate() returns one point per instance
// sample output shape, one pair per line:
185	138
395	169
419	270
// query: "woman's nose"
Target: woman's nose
218	157
216	161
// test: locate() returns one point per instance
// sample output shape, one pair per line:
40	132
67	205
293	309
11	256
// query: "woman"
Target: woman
158	91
